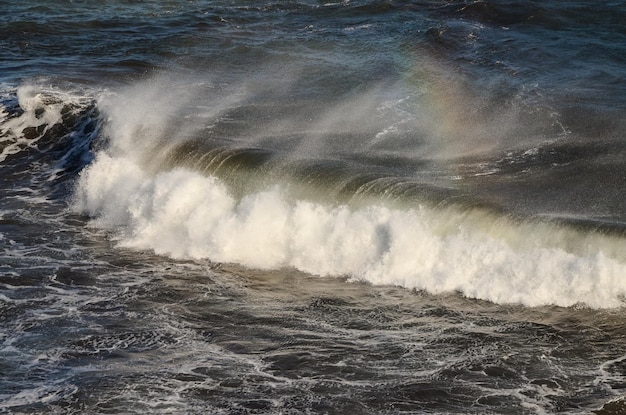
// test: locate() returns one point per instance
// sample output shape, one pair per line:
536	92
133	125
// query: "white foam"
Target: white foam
183	214
41	394
42	108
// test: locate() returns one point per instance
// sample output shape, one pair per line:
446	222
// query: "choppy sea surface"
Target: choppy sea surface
312	207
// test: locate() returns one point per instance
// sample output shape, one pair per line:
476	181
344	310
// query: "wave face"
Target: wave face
173	179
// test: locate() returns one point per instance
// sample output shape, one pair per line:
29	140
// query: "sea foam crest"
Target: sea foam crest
30	111
183	214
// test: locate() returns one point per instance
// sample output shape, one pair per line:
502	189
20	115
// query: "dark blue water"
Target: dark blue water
357	207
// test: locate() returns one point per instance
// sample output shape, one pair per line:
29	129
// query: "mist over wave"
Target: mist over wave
185	204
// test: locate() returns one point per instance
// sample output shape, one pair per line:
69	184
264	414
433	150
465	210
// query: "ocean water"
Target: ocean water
312	207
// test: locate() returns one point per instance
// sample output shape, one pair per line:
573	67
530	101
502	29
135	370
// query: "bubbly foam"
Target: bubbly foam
38	114
183	214
30	111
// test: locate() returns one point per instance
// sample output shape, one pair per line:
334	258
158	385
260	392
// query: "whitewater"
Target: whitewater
183	213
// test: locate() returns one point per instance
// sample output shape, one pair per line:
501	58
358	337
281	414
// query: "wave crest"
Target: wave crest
183	214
